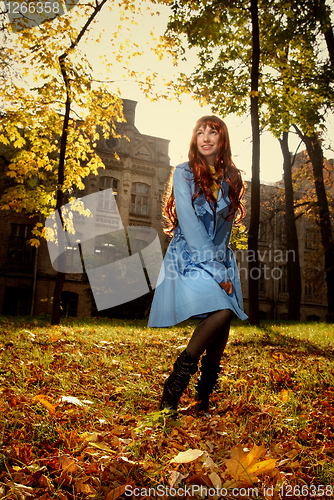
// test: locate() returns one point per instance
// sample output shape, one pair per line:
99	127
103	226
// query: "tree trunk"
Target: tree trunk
294	276
327	29
314	150
56	305
253	264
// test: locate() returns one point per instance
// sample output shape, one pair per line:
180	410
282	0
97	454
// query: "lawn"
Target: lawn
79	417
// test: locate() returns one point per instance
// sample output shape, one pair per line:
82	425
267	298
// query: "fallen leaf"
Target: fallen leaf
91	437
85	488
44	402
208	462
117	492
215	480
262	467
244	468
67	463
75	401
176	478
21	489
102	446
284	395
185	457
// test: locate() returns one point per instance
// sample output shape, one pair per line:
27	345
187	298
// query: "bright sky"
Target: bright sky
169	119
174	121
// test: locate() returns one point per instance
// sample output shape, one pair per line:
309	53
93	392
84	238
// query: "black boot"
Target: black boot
178	380
205	384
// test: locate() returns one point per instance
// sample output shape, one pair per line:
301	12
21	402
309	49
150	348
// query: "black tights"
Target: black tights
211	336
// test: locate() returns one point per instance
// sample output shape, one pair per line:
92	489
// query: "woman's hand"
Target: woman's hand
227	286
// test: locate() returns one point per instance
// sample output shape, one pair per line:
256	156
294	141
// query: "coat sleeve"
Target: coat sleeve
203	252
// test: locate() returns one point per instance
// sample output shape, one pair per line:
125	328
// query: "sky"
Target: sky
172	120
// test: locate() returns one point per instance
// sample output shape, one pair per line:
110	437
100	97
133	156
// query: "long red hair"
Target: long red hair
225	170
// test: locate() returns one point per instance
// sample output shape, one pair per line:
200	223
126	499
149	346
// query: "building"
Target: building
273	257
138	179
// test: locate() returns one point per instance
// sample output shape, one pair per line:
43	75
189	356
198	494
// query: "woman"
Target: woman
199	276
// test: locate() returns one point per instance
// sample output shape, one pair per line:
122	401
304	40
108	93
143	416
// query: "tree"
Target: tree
294	274
311	94
315	153
52	128
294	78
225	81
302	102
253	283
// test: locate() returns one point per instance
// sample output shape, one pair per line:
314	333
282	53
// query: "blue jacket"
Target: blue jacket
197	260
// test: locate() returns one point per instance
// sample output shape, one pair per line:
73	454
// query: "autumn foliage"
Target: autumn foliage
79	418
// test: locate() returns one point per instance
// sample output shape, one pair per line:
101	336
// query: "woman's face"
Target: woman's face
207	143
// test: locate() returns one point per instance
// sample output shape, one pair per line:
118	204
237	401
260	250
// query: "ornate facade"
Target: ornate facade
138	179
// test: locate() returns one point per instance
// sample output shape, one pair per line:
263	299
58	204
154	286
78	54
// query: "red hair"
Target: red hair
225	170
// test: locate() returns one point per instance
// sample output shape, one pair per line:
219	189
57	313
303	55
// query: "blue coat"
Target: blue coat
197	260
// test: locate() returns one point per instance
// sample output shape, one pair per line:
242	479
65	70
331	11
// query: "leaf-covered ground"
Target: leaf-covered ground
79	418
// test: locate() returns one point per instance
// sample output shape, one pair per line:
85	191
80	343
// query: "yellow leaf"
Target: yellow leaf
244	467
262	467
185	457
44	402
34	242
91	437
101	446
248	459
115	493
53	337
284	395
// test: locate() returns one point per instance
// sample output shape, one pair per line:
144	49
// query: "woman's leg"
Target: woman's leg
212	331
210	364
206	333
216	349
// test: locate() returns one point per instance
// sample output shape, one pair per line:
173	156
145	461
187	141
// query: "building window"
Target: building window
108	200
104	250
140	199
283	282
311	236
262	281
313	317
72	255
69	304
19	249
281	230
262	231
17	301
309	289
311	277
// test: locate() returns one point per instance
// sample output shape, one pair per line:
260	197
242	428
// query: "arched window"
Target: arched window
311	277
69	304
140	199
108	201
19	249
283	282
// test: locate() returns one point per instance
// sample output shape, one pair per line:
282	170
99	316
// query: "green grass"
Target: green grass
276	389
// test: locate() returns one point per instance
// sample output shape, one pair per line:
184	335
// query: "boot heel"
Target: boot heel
205	384
178	380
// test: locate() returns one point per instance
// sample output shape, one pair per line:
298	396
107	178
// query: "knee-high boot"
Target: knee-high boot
205	383
184	367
